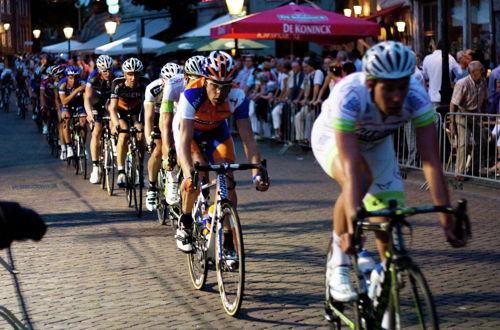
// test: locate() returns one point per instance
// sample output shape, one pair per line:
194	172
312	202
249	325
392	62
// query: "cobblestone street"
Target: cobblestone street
100	267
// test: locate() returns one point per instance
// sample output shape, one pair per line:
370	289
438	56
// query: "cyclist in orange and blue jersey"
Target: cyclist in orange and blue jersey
201	116
70	91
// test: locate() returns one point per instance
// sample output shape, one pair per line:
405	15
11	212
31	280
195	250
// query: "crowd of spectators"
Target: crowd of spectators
285	94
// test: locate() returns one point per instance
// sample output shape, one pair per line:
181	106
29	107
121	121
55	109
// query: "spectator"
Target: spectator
348	68
493	91
305	118
432	70
296	82
253	88
495	169
341	56
469	96
245	73
464	57
262	101
354	57
284	77
335	73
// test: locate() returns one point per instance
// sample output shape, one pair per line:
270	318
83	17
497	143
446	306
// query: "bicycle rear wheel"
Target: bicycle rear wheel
230	261
109	168
197	260
413	306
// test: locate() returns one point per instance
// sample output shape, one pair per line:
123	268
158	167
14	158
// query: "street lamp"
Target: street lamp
348	12
68	33
357	9
6	26
110	29
235	7
401	26
36	33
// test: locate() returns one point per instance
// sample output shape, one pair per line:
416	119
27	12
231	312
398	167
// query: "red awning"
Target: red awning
295	22
385	11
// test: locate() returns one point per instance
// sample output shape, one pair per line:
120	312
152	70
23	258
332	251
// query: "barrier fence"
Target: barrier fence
473	151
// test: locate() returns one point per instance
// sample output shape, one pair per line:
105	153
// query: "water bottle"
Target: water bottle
365	266
207	219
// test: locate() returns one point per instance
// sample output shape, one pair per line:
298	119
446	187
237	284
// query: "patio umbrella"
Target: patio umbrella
128	45
183	44
295	22
226	44
61	47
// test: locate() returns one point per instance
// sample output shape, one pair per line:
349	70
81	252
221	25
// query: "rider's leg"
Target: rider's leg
154	162
95	142
66	138
83	125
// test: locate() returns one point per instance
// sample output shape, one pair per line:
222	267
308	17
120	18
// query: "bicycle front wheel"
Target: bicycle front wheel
161	209
412	306
109	168
139	184
197	259
230	260
82	157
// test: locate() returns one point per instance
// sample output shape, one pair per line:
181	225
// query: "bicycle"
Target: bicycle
404	295
225	249
164	210
6	97
53	132
78	144
107	158
134	171
23	100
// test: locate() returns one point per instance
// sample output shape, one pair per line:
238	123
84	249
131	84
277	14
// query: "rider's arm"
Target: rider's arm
249	144
351	161
86	102
187	131
113	111
42	99
66	99
149	118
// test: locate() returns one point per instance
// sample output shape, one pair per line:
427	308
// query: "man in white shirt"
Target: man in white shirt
432	71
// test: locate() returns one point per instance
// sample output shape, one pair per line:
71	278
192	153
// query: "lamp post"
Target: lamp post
36	35
235	8
357	10
68	33
348	12
110	29
6	26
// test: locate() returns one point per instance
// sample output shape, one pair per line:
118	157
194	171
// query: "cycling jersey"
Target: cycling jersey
21	78
6	76
47	89
129	99
172	93
209	121
101	89
350	108
194	104
77	101
154	93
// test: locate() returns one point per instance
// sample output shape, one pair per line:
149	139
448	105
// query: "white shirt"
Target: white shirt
432	70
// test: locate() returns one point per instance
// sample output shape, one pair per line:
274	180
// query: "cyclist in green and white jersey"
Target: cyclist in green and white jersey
193	69
352	141
152	102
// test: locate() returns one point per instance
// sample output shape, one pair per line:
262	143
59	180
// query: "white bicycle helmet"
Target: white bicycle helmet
171	69
104	62
389	60
219	66
132	65
194	65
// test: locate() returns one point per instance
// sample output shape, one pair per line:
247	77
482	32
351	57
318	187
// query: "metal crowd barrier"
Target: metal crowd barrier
473	152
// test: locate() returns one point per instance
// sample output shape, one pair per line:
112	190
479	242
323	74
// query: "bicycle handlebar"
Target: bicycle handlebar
225	167
462	224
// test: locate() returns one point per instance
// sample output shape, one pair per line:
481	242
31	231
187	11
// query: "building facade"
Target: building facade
15	27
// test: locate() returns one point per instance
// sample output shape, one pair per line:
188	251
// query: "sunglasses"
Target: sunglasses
222	87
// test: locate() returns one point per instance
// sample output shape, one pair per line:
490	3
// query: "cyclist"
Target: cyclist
97	93
47	99
21	78
193	69
203	109
35	82
152	102
125	108
352	141
71	90
7	80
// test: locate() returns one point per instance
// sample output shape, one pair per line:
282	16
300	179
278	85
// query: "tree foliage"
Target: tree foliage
182	13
